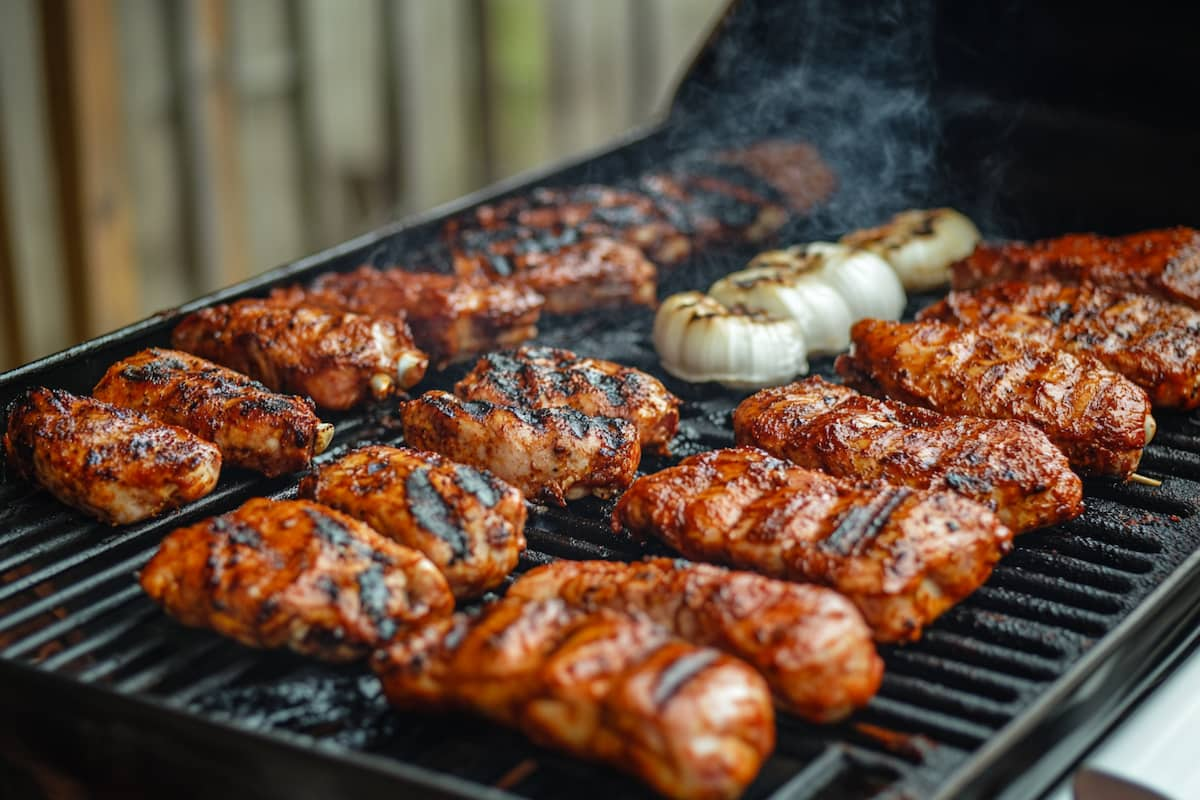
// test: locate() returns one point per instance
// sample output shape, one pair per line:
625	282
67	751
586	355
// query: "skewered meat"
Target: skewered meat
112	463
903	556
468	522
1009	466
1154	343
545	377
810	643
920	245
253	426
1164	263
550	454
293	573
593	273
338	359
1100	420
451	318
690	721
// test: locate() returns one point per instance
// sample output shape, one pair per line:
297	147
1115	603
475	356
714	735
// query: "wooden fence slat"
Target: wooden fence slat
12	347
84	93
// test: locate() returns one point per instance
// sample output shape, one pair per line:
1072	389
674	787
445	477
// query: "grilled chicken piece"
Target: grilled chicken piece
338	359
593	273
116	464
292	573
722	204
689	721
1164	263
903	556
1011	467
550	454
1100	420
810	643
253	426
468	522
451	318
794	169
1154	343
546	377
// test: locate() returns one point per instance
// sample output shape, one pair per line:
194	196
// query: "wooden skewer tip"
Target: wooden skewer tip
1144	481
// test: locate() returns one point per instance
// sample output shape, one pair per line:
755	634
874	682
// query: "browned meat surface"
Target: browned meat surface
605	686
1164	263
451	318
593	273
293	573
546	377
113	463
1100	420
550	454
468	522
794	169
1154	343
338	359
1009	466
253	426
809	642
903	556
722	206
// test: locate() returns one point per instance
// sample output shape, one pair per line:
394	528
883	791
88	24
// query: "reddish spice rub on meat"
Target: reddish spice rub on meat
1153	342
605	686
903	556
1164	263
113	463
1099	419
1009	466
809	642
253	426
293	573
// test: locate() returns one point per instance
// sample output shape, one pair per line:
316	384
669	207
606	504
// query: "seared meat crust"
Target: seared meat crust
293	573
1164	263
546	377
338	359
468	522
1008	466
1153	342
550	454
1100	420
113	463
253	426
690	721
810	643
903	556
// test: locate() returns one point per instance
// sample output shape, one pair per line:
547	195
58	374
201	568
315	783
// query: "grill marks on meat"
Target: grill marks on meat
468	522
293	573
546	377
793	169
810	643
1099	419
253	426
450	317
113	463
903	556
338	359
1009	466
1164	263
1154	343
690	721
550	454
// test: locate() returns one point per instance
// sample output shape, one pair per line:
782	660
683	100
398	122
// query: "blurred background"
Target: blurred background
154	150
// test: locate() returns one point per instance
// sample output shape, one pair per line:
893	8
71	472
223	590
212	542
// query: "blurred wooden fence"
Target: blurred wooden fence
152	150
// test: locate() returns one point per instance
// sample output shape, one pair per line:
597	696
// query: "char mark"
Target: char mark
859	526
374	596
338	536
682	670
433	513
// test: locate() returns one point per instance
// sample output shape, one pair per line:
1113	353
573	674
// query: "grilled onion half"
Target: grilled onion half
920	245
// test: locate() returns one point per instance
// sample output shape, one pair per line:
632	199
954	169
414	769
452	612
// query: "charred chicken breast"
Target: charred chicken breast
1008	466
809	642
293	573
605	686
903	556
113	463
546	377
338	359
1099	419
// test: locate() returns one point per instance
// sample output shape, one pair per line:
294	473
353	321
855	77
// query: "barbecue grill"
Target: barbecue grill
1031	120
